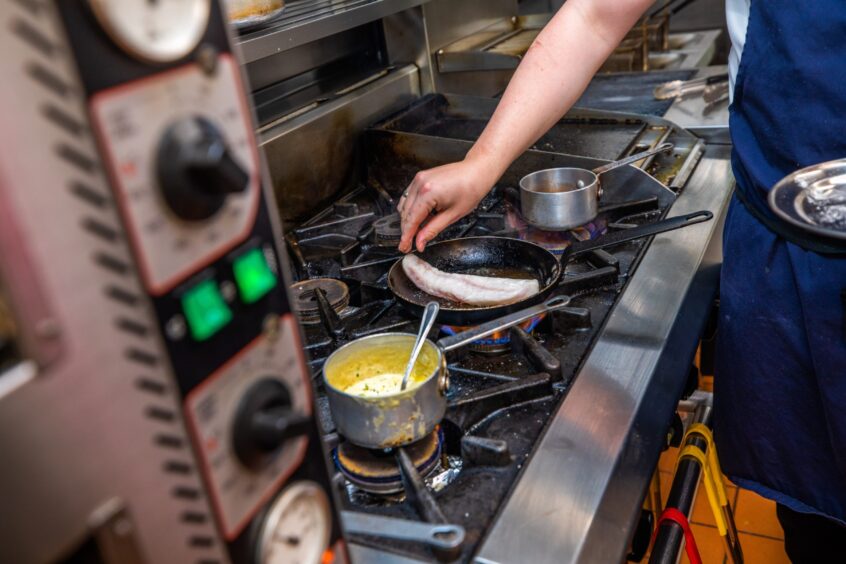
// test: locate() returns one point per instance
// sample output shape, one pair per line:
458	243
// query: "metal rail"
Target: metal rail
668	541
309	20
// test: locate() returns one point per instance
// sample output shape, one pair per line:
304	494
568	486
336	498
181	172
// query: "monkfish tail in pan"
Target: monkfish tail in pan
467	288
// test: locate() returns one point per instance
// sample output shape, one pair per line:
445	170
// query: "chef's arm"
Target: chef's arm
553	74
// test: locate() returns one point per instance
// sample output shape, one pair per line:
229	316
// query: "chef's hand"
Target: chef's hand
440	196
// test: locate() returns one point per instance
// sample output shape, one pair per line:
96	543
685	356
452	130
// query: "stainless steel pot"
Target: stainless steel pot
400	418
557	199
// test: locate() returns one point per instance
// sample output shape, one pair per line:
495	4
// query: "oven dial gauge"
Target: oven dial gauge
297	527
157	32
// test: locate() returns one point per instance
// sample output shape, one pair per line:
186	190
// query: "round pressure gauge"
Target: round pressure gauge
155	31
297	527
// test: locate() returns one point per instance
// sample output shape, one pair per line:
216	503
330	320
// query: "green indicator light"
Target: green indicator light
253	276
205	310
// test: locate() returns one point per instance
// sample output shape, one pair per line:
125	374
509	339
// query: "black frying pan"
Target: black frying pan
511	258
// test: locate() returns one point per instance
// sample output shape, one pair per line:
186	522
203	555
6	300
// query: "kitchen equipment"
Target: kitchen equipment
429	316
248	15
502	256
399	418
684	88
155	260
502	406
814	200
434	535
557	199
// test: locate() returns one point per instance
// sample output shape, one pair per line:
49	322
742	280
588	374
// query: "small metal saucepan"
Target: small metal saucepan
557	199
362	381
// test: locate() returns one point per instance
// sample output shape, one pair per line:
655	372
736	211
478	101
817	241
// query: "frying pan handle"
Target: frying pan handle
485	329
610	239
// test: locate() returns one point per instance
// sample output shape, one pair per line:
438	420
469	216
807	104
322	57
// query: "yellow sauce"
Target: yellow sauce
378	386
372	370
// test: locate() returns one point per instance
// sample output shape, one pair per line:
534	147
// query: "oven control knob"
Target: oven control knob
264	421
196	170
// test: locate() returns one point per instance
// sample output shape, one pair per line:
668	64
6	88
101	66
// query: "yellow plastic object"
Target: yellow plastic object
694	452
713	460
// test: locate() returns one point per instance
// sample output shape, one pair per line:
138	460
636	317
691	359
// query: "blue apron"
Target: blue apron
780	386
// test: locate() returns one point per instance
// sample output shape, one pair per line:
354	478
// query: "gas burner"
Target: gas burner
305	302
554	241
499	342
388	230
377	472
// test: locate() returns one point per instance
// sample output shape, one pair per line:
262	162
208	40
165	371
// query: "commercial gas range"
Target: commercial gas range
553	428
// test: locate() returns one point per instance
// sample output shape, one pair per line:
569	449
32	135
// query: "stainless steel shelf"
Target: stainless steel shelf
308	20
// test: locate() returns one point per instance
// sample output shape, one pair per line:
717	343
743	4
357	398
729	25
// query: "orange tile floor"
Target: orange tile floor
761	537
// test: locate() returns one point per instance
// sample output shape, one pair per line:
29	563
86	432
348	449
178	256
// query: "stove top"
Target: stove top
499	401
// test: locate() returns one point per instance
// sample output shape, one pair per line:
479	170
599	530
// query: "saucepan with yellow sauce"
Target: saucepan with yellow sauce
363	378
363	386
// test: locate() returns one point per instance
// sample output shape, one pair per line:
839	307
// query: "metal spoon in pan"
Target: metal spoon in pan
429	316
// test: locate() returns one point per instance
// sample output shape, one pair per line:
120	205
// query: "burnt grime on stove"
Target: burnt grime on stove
498	404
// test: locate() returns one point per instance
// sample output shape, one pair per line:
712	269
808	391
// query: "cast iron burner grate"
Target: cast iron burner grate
498	405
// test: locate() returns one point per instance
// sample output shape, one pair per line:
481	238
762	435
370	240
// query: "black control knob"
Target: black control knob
196	170
264	422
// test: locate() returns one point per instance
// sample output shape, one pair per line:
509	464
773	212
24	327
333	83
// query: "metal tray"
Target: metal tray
789	199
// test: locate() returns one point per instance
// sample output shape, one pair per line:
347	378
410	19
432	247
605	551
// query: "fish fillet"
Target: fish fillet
467	288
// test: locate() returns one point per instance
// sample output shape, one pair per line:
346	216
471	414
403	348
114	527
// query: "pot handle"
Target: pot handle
633	158
466	337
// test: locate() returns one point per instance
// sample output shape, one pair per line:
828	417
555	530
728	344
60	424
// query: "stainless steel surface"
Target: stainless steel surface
580	493
557	199
389	420
430	314
311	154
447	21
485	329
813	199
438	536
309	20
66	460
592	133
277	67
406	41
499	46
690	113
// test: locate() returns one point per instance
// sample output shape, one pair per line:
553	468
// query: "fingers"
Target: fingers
415	213
433	227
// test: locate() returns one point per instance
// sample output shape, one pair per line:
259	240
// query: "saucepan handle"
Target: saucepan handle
632	158
444	536
485	329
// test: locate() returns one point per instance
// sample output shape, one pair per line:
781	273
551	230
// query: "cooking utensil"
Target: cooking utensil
683	88
429	316
814	200
557	199
402	417
437	536
505	257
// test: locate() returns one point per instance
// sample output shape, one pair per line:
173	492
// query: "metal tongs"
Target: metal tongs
685	88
